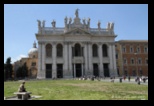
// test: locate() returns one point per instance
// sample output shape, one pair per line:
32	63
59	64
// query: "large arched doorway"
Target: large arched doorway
48	70
78	70
95	70
59	70
106	69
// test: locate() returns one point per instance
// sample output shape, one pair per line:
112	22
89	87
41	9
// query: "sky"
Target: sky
20	22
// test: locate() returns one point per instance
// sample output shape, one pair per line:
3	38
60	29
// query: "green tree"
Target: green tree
22	71
8	68
19	72
25	70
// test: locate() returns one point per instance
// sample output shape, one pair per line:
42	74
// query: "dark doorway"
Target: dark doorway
78	70
106	70
118	71
96	71
59	70
48	70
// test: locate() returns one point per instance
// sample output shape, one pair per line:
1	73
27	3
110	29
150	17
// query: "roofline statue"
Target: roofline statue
76	12
99	23
39	25
53	23
43	23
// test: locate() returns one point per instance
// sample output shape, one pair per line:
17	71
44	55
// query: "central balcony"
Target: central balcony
77	59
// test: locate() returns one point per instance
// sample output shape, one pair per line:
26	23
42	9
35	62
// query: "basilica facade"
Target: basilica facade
76	50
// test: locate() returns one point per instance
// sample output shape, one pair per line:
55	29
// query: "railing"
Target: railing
48	30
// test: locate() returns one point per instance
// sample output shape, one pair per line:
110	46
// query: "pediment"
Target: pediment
78	31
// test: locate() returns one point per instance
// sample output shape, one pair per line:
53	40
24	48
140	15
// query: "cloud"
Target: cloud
17	58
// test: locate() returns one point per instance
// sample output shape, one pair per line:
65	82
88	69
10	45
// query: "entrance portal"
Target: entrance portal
96	71
59	70
106	70
48	70
78	70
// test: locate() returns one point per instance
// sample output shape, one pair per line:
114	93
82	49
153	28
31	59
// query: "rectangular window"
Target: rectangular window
132	61
138	50
139	61
124	49
145	49
131	50
125	61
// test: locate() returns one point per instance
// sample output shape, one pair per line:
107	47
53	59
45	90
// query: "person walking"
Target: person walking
129	78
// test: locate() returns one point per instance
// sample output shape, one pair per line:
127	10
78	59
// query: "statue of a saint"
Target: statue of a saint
108	25
88	22
70	20
76	12
43	23
53	23
39	23
66	20
84	21
99	23
112	26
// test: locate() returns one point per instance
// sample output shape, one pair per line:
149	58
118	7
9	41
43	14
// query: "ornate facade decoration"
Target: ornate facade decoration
76	50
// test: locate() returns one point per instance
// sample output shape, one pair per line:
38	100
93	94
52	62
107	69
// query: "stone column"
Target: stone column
85	57
65	56
74	71
90	58
101	69
114	61
43	60
70	59
82	69
39	60
54	65
111	60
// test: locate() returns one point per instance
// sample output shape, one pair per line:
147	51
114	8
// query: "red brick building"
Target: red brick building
132	57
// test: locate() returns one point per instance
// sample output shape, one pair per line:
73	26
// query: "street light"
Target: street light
136	63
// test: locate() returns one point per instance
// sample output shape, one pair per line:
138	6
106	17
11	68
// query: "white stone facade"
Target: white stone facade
75	50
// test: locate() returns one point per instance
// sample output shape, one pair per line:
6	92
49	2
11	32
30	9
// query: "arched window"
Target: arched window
48	50
104	50
59	50
77	50
95	50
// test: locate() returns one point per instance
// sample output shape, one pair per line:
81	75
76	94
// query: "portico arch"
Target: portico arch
48	48
59	50
77	49
105	51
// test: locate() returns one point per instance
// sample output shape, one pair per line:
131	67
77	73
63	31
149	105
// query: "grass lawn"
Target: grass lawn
79	90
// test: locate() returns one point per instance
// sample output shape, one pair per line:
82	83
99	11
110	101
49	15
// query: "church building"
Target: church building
76	50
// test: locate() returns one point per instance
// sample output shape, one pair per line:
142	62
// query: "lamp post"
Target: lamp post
136	63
